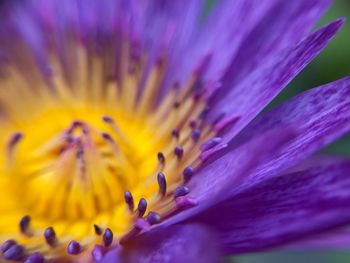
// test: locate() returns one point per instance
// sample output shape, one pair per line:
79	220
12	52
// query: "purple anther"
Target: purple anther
129	200
97	253
187	173
85	130
161	158
7	244
24	224
210	143
15	252
195	135
15	139
175	133
35	258
181	191
153	218
198	91
107	137
50	236
107	119
179	151
73	248
98	230
204	113
77	123
183	202
161	183
142	207
107	237
176	104
80	153
193	124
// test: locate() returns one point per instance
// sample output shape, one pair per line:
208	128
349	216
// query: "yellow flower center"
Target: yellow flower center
83	148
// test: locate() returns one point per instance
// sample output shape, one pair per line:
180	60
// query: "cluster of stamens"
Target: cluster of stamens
181	138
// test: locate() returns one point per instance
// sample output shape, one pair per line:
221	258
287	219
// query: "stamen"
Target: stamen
15	139
24	224
115	127
204	113
153	218
195	135
7	244
175	133
97	253
187	173
161	158
15	252
73	248
181	191
179	152
108	237
193	124
142	207
35	258
161	183
50	236
129	200
107	137
210	143
98	230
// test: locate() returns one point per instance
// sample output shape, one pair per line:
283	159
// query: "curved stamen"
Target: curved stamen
73	248
161	158
107	237
179	152
175	133
129	200
15	252
50	236
7	244
181	191
195	135
161	183
35	258
98	230
24	224
142	207
187	173
153	218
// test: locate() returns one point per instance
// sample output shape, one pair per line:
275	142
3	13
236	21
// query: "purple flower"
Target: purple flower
130	131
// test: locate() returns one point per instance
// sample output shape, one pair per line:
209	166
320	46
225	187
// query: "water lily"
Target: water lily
130	131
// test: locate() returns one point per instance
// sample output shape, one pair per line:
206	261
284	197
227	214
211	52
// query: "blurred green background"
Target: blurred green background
333	63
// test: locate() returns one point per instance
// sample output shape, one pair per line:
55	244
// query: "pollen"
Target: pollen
91	156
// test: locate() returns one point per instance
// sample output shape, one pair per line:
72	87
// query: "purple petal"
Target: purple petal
283	209
336	239
176	244
321	114
317	160
284	25
253	94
